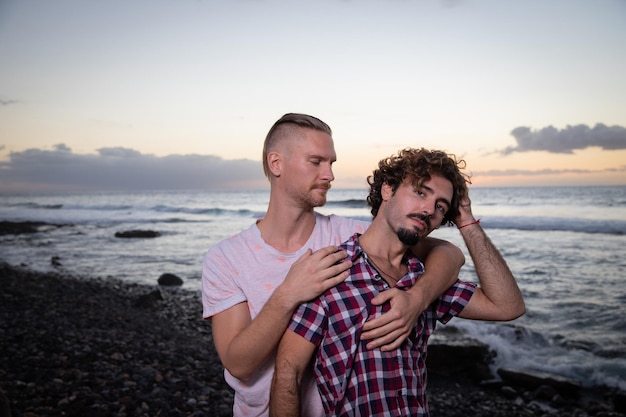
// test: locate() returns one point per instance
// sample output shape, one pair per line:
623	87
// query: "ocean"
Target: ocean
565	245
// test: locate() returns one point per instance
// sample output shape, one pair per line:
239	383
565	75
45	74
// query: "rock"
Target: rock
5	408
18	228
533	379
545	392
452	353
129	234
508	392
170	280
559	400
149	300
619	401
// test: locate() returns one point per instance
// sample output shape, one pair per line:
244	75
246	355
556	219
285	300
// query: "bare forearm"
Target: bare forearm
292	358
251	347
285	395
496	279
442	263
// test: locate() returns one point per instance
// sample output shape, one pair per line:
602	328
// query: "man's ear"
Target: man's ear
275	163
386	191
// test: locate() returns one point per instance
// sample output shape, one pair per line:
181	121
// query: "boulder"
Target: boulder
619	401
534	379
170	280
18	228
149	300
452	353
5	406
129	234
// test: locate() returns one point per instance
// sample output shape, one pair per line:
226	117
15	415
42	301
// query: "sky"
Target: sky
179	94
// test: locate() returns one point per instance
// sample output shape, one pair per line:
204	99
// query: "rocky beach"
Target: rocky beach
81	346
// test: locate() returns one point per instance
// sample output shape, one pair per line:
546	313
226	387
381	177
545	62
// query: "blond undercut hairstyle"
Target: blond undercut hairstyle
288	127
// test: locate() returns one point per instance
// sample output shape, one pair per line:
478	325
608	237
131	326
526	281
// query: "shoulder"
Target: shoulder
334	230
459	291
340	222
241	241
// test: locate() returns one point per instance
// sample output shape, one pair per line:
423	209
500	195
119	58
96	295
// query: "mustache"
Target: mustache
422	217
326	185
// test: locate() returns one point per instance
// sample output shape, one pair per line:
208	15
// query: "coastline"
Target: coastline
73	347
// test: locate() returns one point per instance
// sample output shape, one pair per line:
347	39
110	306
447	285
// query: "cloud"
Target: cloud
121	168
7	102
567	140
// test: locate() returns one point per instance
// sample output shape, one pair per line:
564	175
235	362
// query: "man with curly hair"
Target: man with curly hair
411	194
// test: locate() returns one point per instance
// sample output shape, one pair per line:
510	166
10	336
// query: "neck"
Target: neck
386	259
382	245
286	228
392	277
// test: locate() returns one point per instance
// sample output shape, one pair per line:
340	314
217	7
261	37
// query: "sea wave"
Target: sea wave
210	210
36	206
129	207
349	203
611	227
548	224
43	206
519	346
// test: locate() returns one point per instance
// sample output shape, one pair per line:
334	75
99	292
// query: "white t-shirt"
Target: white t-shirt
245	268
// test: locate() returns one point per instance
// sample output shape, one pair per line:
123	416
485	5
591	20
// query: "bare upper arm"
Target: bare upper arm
227	325
294	352
480	307
427	244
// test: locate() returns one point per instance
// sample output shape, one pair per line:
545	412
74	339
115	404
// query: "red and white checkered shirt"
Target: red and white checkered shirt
356	381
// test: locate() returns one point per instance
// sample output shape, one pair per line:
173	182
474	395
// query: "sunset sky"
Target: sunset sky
160	94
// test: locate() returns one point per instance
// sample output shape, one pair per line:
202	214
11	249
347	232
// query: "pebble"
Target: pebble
84	347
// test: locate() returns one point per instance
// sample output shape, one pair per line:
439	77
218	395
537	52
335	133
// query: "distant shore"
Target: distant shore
76	347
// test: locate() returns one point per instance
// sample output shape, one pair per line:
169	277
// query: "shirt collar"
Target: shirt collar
354	251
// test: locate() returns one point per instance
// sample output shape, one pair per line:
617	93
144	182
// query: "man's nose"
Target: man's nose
429	208
328	173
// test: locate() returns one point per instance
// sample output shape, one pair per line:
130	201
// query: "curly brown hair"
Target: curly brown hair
419	165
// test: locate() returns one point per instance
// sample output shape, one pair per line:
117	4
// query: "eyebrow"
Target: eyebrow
439	200
321	157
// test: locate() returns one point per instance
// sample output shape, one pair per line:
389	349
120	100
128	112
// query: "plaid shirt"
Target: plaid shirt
353	380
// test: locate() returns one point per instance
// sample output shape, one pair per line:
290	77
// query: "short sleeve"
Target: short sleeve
309	321
454	300
219	287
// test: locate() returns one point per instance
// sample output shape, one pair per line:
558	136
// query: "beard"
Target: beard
408	237
311	199
411	237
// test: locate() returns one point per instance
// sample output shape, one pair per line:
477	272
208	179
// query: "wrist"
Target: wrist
419	296
469	223
285	298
